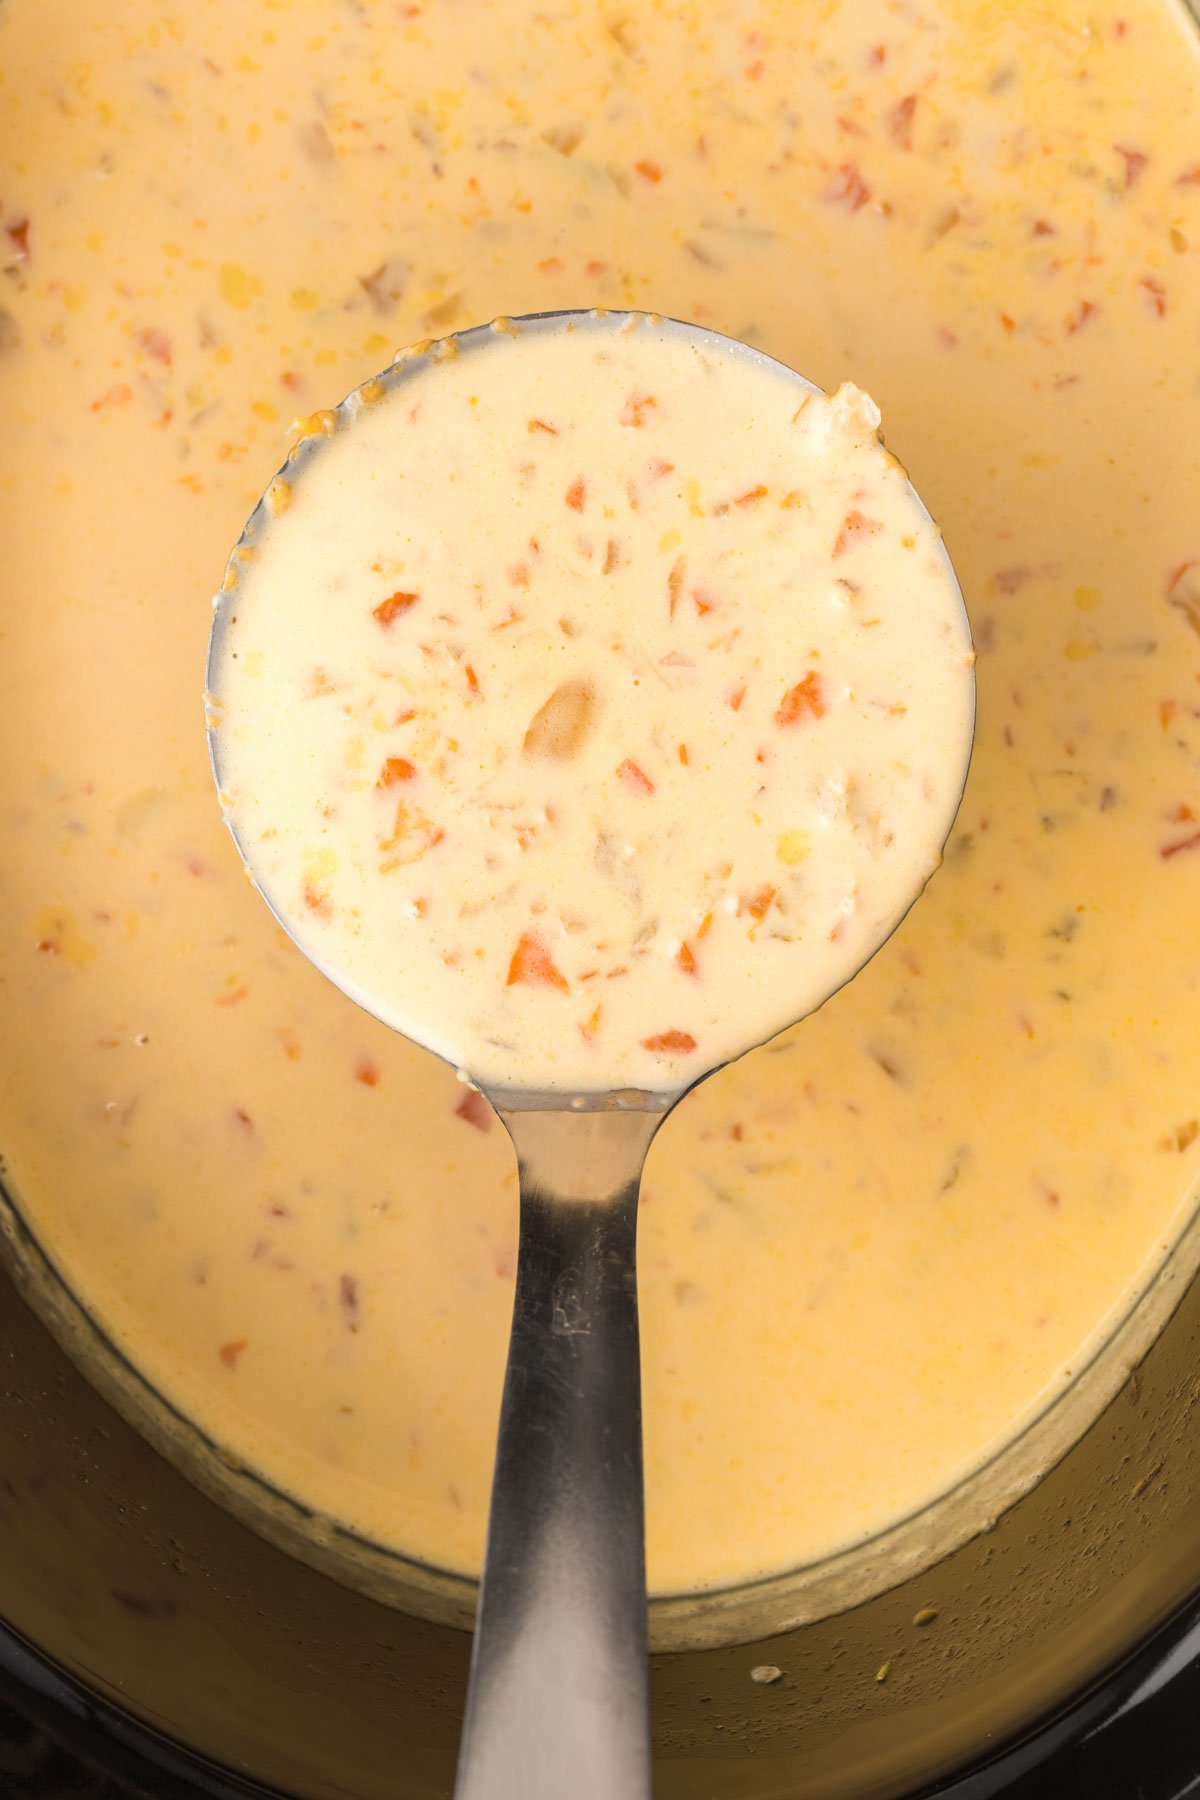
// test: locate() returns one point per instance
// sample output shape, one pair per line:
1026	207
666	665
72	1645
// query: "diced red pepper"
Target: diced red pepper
848	187
674	585
804	701
900	121
317	901
856	529
390	609
533	966
635	409
634	777
474	1110
758	904
396	768
1135	162
679	1042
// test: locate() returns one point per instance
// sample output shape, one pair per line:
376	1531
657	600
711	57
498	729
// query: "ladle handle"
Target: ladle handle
557	1705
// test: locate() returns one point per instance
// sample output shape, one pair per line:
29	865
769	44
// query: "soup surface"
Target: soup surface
872	1249
591	781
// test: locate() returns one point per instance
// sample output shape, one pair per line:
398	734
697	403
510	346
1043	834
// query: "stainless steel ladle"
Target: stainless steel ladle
558	1700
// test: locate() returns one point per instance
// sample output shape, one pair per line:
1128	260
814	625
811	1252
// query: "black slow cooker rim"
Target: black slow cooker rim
115	1741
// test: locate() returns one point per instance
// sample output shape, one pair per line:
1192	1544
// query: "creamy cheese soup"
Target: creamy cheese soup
594	702
870	1251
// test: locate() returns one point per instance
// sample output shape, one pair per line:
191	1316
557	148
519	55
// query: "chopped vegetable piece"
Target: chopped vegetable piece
804	701
396	768
636	408
678	1042
634	777
390	609
533	966
758	904
856	527
474	1110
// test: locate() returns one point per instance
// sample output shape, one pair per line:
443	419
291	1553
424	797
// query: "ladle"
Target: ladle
558	1701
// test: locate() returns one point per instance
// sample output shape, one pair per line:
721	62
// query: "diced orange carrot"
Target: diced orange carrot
533	966
575	494
396	768
751	495
649	171
736	698
391	608
472	678
683	754
856	528
634	777
804	701
681	1042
